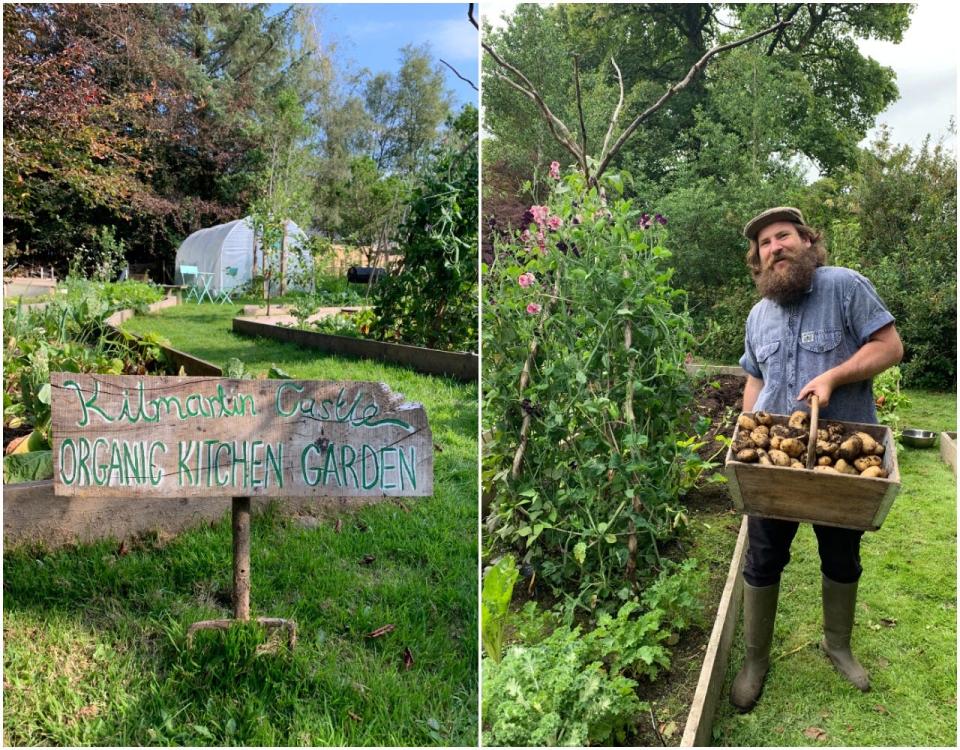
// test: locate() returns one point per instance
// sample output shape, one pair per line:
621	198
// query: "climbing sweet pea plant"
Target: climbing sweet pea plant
584	392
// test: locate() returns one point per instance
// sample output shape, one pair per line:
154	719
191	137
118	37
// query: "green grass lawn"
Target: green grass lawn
94	637
905	633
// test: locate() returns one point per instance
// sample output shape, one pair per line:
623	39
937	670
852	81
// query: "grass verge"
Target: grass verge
94	637
905	632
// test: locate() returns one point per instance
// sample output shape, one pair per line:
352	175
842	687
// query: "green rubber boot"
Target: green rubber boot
759	613
839	603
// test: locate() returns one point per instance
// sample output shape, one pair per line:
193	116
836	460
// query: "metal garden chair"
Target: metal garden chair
224	295
189	276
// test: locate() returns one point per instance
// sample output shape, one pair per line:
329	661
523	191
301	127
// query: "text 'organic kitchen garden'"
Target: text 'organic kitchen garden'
123	435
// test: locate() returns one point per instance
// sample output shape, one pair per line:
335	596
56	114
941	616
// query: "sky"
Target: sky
371	35
925	63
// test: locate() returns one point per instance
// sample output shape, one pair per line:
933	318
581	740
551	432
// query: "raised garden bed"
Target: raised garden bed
32	514
948	450
462	366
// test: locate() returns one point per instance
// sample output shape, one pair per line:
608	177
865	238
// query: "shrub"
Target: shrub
432	300
556	693
596	432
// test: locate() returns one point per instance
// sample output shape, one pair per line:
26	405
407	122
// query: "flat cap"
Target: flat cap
772	216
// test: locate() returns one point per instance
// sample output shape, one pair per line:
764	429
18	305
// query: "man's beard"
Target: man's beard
787	285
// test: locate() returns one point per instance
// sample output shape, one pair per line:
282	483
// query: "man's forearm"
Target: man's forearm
870	359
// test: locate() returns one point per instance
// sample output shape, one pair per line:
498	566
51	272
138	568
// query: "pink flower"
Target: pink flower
540	214
542	241
533	308
526	279
525	236
555	170
554	222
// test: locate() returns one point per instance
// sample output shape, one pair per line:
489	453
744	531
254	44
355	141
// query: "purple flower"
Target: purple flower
660	219
645	221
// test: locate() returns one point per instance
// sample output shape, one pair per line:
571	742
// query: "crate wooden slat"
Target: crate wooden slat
817	497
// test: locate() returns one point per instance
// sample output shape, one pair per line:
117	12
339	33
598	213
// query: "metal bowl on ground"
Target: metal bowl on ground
916	438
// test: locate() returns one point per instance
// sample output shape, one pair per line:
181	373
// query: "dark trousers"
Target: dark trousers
769	551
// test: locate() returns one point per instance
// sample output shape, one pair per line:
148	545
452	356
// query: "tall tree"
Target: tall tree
816	59
407	110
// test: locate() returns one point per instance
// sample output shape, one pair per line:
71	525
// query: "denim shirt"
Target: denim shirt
786	347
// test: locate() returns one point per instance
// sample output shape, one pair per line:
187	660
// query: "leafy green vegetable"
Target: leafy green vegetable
27	467
495	602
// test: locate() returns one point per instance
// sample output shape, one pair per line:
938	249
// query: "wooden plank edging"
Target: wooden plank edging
699	726
191	365
695	368
948	450
32	514
462	366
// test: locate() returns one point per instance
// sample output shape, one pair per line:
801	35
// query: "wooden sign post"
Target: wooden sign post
130	436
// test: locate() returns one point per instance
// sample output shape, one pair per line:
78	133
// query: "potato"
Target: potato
851	448
746	422
760	437
844	468
742	444
824	461
865	462
827	469
775	442
799	420
827	449
792	447
794	464
762	418
870	446
764	457
779	458
833	428
874	471
780	430
823	435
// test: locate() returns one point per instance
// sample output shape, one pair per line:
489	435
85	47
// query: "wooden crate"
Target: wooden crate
817	497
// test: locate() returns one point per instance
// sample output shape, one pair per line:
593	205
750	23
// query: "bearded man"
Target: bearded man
818	330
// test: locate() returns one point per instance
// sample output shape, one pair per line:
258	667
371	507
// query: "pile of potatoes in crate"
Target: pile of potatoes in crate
839	450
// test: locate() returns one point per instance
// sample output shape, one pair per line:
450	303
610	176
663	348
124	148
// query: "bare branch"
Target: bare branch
678	87
458	74
529	90
616	112
779	35
583	127
472	19
564	140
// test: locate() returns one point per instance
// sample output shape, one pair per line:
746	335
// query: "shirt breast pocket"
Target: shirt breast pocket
822	341
768	359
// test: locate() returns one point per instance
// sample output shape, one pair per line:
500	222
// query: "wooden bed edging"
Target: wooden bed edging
459	365
191	365
695	368
33	514
699	727
948	450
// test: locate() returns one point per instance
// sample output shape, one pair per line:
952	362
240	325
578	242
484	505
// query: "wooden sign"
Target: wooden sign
129	435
